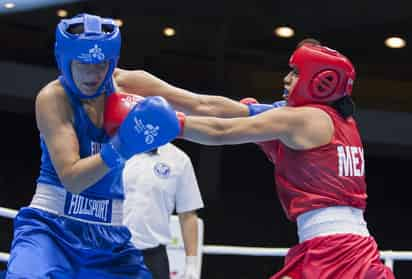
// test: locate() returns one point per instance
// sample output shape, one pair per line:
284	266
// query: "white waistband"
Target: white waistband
78	207
331	220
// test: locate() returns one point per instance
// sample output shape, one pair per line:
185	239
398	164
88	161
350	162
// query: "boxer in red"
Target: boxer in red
318	155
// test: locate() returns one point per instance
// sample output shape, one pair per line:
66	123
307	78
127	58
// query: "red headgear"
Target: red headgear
325	75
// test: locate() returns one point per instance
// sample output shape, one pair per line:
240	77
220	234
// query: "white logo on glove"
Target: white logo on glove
149	130
130	101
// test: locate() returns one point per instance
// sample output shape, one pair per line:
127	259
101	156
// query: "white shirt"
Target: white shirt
155	185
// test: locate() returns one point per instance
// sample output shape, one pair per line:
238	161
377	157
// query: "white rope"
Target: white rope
388	256
7	212
397	255
4	257
243	251
280	252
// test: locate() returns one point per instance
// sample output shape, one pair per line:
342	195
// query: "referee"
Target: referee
156	183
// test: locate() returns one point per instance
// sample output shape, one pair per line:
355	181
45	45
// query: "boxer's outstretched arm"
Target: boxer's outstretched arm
54	120
145	84
298	128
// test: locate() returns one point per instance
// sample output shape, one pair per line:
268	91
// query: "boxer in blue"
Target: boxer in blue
73	226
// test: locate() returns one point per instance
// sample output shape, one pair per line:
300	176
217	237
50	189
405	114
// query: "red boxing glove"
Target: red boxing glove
182	118
116	109
248	101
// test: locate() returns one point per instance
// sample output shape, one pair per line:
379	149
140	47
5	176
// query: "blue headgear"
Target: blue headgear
99	42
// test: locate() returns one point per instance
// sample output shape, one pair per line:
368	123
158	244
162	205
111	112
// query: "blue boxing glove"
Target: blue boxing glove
150	124
256	108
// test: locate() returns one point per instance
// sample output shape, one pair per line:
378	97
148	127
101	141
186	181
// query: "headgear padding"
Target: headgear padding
99	42
325	75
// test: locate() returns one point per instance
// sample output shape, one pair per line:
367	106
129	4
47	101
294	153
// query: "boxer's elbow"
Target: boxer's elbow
73	190
230	131
71	184
73	181
82	174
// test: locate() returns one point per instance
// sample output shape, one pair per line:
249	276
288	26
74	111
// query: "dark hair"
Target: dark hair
309	41
344	106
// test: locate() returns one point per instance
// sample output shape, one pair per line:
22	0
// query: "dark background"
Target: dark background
227	47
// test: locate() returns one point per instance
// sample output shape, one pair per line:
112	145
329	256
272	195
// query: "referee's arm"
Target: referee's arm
188	225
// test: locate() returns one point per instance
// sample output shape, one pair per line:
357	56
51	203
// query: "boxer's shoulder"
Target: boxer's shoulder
53	91
52	101
119	77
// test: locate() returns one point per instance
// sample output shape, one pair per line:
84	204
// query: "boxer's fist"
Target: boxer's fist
117	106
150	124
